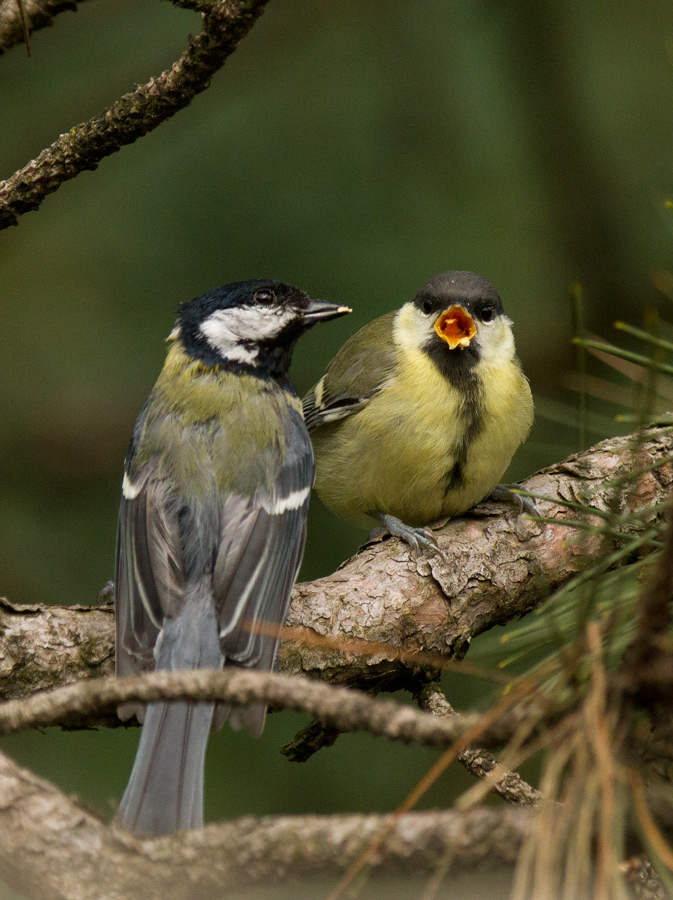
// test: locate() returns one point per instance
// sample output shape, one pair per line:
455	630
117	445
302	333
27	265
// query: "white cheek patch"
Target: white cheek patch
227	330
412	329
497	341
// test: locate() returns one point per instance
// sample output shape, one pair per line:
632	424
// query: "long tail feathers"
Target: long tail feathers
165	790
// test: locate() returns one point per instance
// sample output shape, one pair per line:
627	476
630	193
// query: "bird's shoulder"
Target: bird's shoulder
234	429
358	371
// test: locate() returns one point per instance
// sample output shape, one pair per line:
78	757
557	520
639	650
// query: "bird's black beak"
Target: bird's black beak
321	311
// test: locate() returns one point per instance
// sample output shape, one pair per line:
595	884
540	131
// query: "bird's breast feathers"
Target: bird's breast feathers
206	428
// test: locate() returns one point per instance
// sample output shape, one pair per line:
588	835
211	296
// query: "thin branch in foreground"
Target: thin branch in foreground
343	708
133	115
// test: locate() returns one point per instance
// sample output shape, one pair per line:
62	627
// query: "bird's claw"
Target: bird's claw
509	493
419	539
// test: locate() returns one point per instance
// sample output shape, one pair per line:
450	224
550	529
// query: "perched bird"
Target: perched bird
212	526
420	412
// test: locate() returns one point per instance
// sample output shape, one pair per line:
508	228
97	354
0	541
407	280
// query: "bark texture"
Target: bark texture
478	761
52	848
498	565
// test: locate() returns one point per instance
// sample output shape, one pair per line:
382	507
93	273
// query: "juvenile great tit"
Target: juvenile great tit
212	524
420	412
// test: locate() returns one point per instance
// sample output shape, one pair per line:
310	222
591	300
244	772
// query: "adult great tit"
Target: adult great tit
212	526
420	412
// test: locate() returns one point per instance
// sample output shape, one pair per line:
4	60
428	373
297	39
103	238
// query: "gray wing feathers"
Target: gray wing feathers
149	579
194	577
252	586
253	579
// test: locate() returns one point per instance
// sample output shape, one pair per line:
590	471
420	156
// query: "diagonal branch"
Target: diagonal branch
497	568
133	115
479	762
51	848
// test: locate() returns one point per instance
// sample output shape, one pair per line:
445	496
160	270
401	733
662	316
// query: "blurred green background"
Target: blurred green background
354	149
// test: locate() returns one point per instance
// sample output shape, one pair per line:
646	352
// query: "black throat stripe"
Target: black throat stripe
459	368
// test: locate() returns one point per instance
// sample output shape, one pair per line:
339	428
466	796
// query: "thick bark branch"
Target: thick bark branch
497	568
52	848
133	115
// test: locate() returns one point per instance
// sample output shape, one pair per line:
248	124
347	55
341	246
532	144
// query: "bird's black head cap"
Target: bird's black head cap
474	293
247	326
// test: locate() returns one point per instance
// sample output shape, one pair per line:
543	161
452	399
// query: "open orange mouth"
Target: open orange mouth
456	327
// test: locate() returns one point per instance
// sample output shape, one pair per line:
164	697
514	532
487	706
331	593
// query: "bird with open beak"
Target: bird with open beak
421	411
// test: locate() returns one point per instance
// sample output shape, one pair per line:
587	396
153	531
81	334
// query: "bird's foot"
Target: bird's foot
509	493
417	538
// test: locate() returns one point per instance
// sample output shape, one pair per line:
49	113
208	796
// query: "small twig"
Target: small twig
24	25
516	695
641	877
308	741
479	762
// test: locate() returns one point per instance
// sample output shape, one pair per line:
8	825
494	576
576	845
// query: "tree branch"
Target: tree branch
133	115
343	708
52	848
478	761
497	568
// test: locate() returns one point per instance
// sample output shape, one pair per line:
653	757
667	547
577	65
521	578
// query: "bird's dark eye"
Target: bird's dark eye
487	313
427	305
263	296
